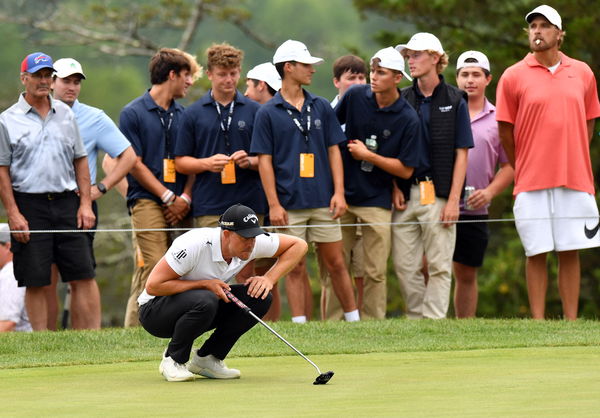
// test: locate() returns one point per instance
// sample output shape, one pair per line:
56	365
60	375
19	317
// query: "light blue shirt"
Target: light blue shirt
98	131
40	152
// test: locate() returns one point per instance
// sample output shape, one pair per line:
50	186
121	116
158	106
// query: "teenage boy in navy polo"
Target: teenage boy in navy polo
214	142
157	195
428	204
384	137
296	136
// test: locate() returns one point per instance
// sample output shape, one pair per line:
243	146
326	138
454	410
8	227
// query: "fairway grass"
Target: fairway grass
523	382
391	368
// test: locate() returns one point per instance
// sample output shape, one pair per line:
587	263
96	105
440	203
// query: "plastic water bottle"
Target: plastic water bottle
371	144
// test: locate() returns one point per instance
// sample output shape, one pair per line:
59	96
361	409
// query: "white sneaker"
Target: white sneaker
211	367
173	371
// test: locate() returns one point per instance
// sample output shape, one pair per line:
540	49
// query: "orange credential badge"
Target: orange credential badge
169	170
427	192
228	173
307	165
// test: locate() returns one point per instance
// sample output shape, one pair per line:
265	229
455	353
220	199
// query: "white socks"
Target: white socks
351	316
299	319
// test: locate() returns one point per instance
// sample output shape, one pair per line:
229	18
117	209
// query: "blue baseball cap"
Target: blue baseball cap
35	62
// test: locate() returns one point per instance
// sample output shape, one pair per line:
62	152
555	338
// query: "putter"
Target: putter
321	379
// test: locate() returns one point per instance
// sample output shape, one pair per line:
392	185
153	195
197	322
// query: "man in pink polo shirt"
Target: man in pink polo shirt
473	76
546	107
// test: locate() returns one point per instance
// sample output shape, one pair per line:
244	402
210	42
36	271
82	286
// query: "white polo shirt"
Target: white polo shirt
196	255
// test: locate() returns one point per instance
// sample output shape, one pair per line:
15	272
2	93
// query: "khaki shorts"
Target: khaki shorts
305	223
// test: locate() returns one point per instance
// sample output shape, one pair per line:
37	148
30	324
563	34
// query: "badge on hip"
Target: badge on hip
427	192
307	165
228	173
169	170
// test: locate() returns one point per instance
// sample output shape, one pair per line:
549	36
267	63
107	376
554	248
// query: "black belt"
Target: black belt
418	180
45	196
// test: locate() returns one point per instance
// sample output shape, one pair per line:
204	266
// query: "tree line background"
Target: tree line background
114	40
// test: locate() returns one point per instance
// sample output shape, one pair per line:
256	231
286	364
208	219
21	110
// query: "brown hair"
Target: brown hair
172	59
351	63
224	55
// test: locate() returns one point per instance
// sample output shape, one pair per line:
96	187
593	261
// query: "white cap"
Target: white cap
65	67
294	51
422	41
391	59
266	72
478	59
4	233
548	12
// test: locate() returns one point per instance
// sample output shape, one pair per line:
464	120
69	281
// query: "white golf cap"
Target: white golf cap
65	67
476	59
548	12
266	72
294	51
422	41
391	59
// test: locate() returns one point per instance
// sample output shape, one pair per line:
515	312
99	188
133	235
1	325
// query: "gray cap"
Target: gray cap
4	233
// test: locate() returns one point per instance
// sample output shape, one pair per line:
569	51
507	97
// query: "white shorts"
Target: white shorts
556	219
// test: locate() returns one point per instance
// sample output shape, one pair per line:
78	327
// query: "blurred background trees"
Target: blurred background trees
113	40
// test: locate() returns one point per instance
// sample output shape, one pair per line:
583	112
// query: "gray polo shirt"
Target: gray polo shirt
40	152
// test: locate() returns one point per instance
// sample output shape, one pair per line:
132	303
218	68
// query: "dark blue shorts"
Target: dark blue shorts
70	251
471	240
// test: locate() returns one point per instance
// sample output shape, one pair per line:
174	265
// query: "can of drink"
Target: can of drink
468	192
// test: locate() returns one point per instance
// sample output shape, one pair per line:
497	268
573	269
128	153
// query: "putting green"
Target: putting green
562	381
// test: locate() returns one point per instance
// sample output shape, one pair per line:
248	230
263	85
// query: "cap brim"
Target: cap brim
251	232
311	60
67	74
39	67
408	77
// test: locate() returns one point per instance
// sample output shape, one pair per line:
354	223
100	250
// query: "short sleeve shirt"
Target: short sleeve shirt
40	152
276	134
145	124
549	112
204	133
98	131
398	134
487	153
12	300
196	255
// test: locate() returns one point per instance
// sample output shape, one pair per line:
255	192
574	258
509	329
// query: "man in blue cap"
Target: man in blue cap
45	185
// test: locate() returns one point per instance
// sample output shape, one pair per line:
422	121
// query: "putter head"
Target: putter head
323	378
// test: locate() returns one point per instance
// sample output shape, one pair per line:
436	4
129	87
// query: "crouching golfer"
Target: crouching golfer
184	295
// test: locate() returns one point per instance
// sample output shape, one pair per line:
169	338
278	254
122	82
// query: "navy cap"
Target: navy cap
241	220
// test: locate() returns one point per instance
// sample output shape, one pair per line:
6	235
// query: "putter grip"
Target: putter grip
236	301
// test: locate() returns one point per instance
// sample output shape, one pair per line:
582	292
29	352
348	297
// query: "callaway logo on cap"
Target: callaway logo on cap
241	220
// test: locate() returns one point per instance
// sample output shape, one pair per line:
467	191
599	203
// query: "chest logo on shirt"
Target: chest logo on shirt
445	109
179	255
317	123
386	133
241	125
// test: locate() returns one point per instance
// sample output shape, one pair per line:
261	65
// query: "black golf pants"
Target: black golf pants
185	316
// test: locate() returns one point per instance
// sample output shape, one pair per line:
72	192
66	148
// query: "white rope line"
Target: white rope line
271	227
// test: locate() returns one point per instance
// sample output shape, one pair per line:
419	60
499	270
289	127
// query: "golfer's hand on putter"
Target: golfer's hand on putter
218	287
259	286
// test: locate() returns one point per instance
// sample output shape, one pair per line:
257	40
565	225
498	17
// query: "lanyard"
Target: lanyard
306	131
167	131
225	128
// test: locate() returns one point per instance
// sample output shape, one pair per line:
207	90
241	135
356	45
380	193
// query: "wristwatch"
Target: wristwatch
101	187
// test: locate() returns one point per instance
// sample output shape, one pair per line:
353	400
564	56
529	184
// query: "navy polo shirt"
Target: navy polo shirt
398	132
201	136
275	133
463	135
140	122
